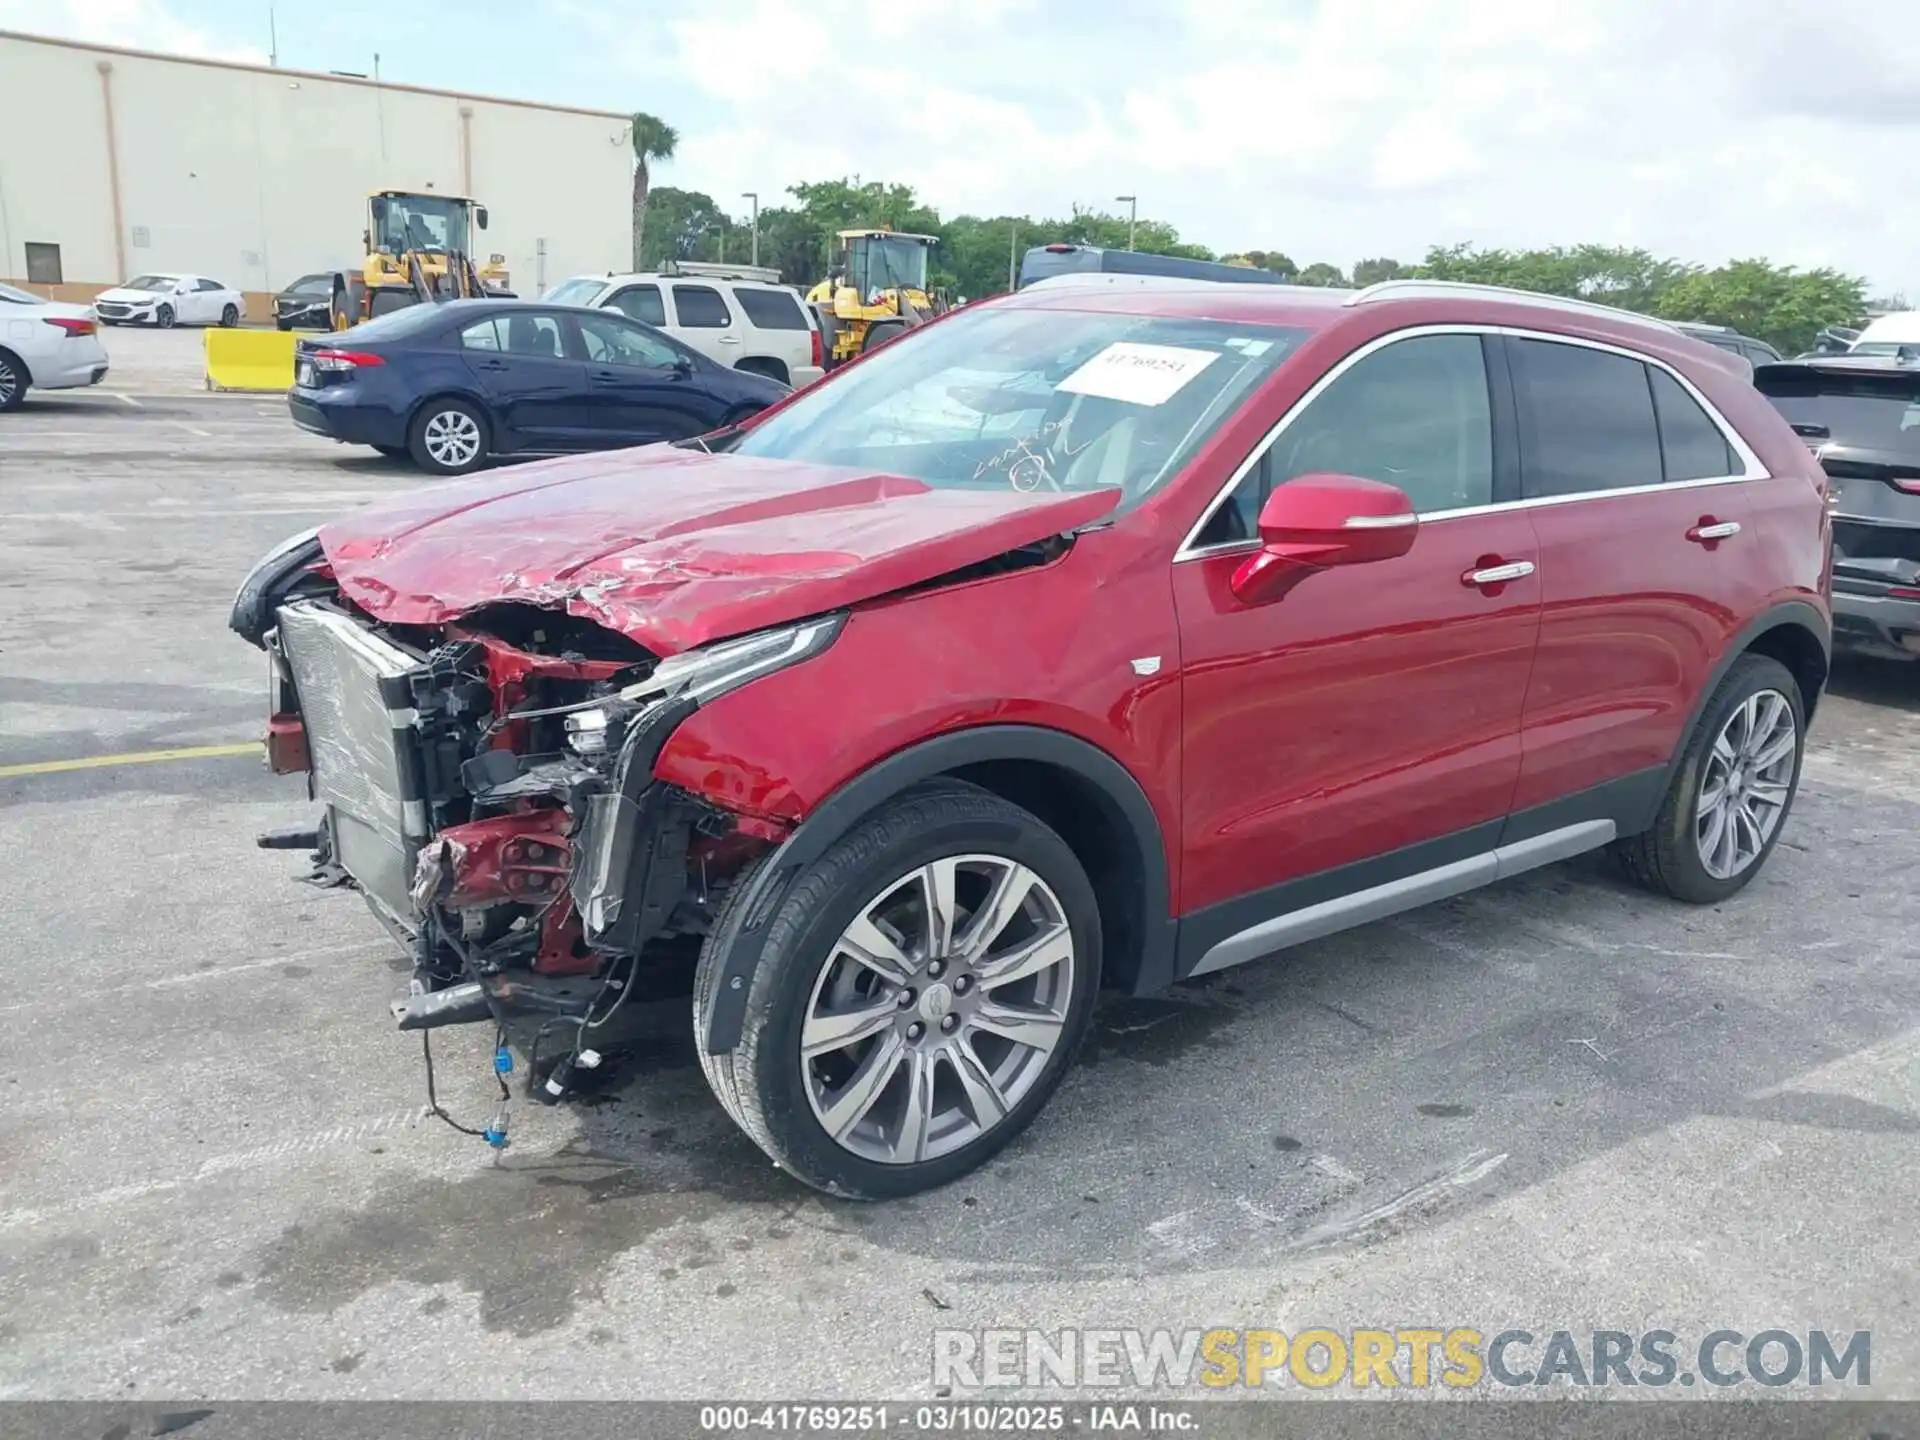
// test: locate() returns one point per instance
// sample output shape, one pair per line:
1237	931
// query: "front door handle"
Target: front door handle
1499	574
1710	530
490	364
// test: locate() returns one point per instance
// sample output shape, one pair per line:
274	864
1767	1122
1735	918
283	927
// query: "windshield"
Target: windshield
19	297
885	262
151	282
578	291
1856	412
1035	400
311	285
418	222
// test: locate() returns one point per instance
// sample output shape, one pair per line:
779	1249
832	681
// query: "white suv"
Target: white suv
741	316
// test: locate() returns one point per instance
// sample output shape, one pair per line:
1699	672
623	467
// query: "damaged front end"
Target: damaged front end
488	786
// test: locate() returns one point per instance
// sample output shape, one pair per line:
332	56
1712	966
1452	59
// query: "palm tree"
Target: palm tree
653	139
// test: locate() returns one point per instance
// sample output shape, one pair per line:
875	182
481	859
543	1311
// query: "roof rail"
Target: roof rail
1418	289
712	270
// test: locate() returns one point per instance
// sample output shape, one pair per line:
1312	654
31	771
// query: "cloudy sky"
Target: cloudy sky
1330	129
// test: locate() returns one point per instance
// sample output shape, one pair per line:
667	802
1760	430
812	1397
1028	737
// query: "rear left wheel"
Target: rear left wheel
921	993
230	317
1728	800
448	437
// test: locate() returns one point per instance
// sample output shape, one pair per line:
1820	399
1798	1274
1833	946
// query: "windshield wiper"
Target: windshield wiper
714	442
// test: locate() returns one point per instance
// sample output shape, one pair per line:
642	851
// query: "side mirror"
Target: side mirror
180	287
480	216
1317	521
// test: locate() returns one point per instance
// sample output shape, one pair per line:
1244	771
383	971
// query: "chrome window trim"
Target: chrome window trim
1751	466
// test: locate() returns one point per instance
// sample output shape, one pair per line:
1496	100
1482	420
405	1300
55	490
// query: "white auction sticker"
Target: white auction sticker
1138	374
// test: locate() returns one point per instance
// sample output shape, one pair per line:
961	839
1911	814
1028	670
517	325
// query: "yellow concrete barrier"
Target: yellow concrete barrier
249	359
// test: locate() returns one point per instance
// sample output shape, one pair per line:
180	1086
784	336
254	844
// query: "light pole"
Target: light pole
1133	214
754	196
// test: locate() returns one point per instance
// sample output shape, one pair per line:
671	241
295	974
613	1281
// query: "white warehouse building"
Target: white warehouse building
121	161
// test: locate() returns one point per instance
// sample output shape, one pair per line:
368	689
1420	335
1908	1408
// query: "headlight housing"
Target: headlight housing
715	669
701	675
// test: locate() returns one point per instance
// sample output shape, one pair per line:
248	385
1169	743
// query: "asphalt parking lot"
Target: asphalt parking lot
1556	1104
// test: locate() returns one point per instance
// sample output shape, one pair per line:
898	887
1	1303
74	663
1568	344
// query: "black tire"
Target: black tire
425	451
880	334
387	300
1666	859
13	381
767	366
230	317
163	317
279	324
759	1082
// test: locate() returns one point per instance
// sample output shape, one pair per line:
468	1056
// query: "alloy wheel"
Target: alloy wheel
937	1009
1745	784
9	384
452	438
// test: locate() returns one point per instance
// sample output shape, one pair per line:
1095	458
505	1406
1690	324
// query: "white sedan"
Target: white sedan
169	300
46	343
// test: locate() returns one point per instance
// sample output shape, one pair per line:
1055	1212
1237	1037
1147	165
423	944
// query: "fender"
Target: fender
1799	613
843	809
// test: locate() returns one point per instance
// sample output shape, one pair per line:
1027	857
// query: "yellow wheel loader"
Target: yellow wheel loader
875	291
418	250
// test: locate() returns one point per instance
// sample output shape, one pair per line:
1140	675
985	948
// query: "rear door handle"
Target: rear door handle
729	339
1710	530
1499	574
490	364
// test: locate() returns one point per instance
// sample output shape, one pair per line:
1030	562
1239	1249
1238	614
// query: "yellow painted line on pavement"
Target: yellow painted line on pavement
131	757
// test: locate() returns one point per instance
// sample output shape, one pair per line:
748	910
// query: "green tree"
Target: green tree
1372	272
1780	304
1322	274
1612	275
653	139
1277	261
681	225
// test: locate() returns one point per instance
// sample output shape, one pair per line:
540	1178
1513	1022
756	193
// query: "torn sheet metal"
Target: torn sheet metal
675	548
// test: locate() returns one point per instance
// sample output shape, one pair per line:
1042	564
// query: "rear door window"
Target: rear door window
533	335
1586	420
700	307
1692	447
771	309
640	302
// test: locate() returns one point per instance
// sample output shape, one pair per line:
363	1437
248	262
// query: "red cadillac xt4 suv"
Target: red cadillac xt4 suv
1093	637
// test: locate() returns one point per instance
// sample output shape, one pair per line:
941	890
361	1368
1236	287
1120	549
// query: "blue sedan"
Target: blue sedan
451	384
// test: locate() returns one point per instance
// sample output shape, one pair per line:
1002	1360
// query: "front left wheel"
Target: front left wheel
921	993
13	382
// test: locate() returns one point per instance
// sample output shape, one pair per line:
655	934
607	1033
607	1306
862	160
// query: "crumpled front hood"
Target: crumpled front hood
675	548
120	294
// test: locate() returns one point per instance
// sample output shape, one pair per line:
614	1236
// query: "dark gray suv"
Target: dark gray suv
1861	416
